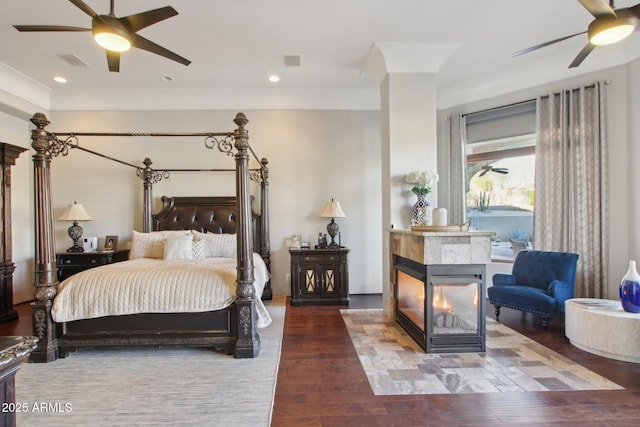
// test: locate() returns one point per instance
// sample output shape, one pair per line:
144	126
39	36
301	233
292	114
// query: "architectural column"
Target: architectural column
406	73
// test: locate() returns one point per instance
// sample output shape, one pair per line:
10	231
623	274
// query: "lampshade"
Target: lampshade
610	29
332	210
74	212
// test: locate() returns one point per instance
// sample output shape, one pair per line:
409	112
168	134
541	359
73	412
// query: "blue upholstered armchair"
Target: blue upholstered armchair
540	282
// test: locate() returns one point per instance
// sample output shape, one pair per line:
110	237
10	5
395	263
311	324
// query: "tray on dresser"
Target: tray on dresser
432	228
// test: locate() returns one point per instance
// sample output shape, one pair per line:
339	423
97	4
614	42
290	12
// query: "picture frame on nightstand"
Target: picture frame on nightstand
111	243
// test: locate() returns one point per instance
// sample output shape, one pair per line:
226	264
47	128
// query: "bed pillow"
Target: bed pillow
151	245
218	245
178	247
197	248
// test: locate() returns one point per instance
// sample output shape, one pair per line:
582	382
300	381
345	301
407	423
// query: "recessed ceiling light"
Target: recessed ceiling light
274	79
59	79
167	78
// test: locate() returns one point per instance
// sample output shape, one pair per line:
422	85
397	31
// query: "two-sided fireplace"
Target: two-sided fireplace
441	306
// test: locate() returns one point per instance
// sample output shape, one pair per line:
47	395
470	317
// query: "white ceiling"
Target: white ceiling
235	45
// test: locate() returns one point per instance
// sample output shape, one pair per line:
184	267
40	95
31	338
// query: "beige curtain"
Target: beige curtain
457	186
571	183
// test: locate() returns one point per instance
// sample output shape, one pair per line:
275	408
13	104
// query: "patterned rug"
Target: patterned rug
396	365
154	386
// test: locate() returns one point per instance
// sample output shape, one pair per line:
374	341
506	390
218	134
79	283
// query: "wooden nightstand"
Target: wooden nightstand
319	276
70	263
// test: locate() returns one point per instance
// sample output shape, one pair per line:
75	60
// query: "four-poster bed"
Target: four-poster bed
232	328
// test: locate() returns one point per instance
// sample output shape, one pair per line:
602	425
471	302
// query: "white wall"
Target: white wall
313	156
623	104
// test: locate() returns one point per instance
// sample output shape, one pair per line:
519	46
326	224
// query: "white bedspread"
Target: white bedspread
147	285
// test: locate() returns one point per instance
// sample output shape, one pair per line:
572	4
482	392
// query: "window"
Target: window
500	190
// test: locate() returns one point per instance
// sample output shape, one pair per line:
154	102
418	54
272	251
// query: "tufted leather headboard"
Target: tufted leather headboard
204	214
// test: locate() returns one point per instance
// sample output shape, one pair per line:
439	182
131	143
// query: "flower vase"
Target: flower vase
422	212
630	290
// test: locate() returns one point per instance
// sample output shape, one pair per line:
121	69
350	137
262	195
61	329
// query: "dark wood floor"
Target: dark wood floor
321	382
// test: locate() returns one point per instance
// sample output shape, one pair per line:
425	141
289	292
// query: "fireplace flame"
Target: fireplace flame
437	303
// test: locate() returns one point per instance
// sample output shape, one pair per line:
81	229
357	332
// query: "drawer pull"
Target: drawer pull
67	261
93	261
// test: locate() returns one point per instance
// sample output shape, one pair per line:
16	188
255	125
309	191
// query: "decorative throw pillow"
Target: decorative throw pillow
151	245
218	245
198	249
178	247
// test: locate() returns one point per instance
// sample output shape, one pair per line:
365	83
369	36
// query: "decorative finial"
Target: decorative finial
240	120
40	120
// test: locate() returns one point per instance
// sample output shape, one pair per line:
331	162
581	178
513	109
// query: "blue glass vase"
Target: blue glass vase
630	290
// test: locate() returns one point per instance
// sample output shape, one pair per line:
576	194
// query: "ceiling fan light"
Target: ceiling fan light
110	33
608	30
112	41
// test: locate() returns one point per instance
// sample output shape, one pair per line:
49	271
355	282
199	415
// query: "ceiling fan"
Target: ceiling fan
487	168
117	35
609	26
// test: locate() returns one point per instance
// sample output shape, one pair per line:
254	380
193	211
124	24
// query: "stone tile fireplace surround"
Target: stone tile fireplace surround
424	266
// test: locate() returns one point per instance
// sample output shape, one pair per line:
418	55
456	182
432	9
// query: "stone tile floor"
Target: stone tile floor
395	364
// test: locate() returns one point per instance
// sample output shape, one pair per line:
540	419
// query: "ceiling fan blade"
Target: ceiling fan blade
484	172
48	28
142	20
582	55
521	52
502	171
631	11
598	8
113	60
144	44
84	7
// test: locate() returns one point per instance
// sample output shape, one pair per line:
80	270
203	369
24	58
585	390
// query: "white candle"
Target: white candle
440	217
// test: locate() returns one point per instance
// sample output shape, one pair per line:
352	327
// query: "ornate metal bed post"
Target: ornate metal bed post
265	248
248	343
46	282
149	177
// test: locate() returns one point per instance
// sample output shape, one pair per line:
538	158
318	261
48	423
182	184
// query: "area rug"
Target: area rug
154	386
395	365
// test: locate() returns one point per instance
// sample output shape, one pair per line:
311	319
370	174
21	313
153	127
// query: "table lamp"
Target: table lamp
332	210
75	212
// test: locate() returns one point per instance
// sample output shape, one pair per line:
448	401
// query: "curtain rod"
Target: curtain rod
605	82
487	110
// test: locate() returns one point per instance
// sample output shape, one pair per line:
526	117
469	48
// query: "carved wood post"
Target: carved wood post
146	174
46	282
248	343
149	177
8	155
265	246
